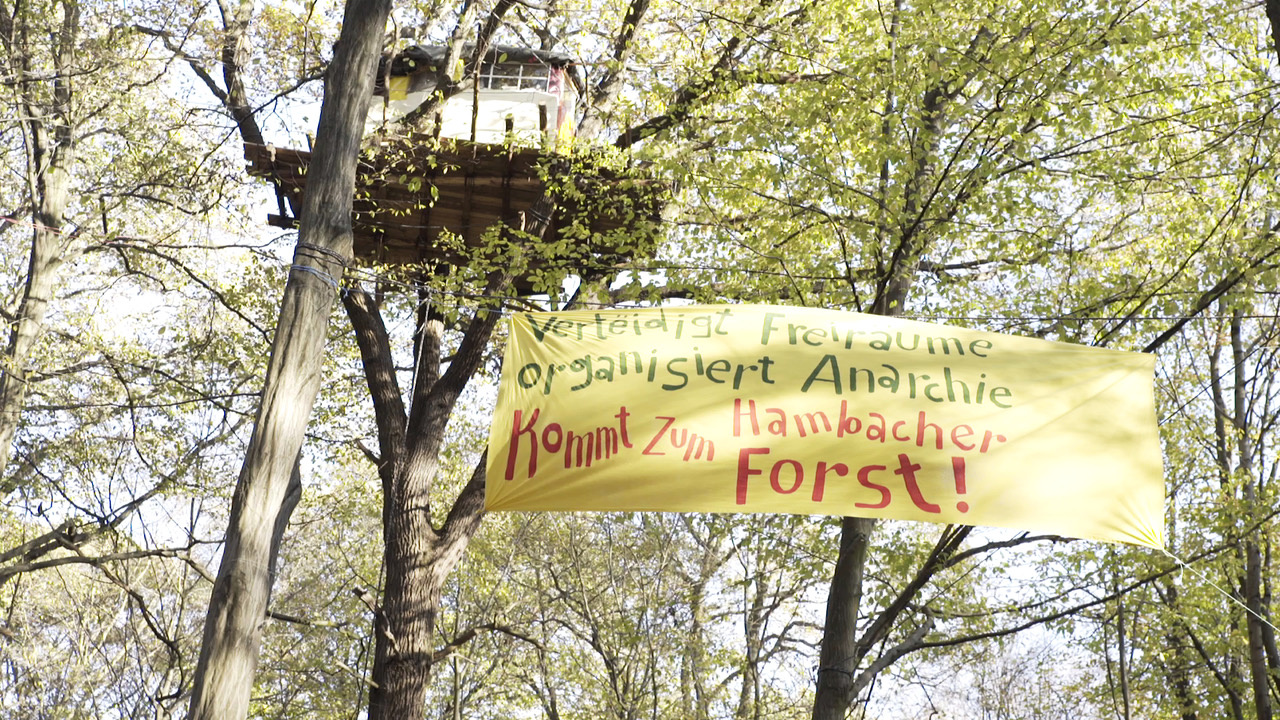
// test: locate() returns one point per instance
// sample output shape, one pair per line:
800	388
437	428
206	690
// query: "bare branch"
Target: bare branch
191	60
470	634
296	620
607	89
148	249
446	85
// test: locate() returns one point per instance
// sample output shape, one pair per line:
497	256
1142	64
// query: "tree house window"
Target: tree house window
522	96
515	76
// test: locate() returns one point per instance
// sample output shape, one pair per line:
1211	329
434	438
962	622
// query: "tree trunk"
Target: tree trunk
418	557
47	135
47	248
904	246
1259	671
233	628
838	659
1178	664
235	55
753	636
1122	661
695	699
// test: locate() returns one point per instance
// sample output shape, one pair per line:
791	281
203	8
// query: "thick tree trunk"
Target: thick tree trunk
402	665
47	135
237	608
47	249
418	557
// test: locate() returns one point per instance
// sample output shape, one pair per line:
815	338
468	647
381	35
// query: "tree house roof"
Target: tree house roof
422	200
417	58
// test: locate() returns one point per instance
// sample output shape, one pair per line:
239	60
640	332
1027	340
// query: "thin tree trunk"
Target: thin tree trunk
1177	667
1268	631
1122	656
838	659
1259	671
695	701
753	632
1258	668
233	629
905	238
235	55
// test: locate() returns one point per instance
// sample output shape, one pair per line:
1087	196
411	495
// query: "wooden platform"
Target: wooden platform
419	200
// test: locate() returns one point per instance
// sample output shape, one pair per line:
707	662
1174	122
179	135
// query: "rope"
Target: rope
308	251
331	254
325	277
1215	586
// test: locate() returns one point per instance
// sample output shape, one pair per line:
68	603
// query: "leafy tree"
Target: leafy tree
923	161
127	354
270	483
1095	174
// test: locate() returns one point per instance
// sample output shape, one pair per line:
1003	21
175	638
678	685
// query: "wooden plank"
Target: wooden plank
477	186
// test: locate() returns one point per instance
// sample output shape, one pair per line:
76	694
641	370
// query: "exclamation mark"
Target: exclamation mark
957	469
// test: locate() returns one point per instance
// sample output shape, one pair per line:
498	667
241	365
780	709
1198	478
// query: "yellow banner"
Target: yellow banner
751	408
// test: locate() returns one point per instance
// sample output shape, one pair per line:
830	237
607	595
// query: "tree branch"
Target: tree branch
945	547
470	634
607	89
688	97
379	371
446	86
192	61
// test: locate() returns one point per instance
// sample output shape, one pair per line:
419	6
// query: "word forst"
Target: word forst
787	475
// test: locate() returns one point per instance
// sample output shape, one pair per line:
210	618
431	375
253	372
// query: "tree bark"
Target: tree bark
907	241
417	555
47	135
1273	17
1177	666
1122	661
839	656
233	628
753	621
235	54
1259	670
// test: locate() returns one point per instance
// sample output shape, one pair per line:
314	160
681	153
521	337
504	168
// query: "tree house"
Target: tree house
529	94
436	198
